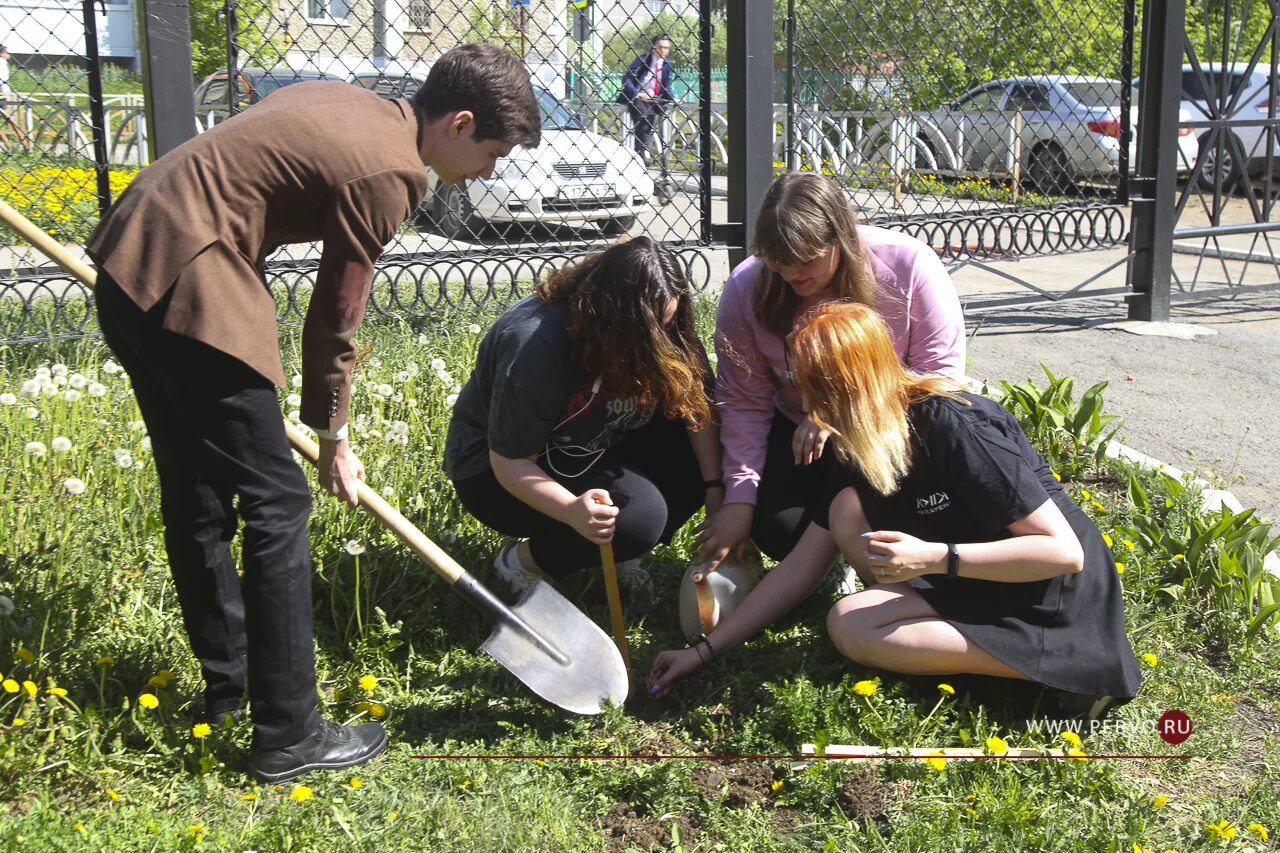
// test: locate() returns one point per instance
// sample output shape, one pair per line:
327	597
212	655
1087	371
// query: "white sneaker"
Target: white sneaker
847	576
508	567
635	581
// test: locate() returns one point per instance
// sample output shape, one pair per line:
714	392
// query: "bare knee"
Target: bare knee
852	629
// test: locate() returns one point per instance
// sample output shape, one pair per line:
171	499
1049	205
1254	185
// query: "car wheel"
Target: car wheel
1212	166
618	225
452	211
1049	171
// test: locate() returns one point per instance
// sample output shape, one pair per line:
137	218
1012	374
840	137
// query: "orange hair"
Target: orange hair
856	387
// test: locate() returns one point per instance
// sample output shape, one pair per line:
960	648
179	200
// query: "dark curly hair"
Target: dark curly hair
617	299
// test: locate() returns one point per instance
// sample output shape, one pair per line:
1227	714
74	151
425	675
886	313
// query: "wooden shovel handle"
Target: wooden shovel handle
430	552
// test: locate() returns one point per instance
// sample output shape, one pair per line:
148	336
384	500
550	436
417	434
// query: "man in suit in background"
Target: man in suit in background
646	87
183	303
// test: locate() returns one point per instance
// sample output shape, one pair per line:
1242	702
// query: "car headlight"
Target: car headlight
515	170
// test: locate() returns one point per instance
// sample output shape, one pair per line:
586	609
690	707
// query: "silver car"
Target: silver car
1064	127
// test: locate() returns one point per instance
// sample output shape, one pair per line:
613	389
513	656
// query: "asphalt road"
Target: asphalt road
1209	405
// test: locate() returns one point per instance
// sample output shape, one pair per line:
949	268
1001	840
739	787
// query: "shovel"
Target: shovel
543	640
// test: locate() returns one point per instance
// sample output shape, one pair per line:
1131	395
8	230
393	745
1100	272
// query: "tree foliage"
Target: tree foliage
254	43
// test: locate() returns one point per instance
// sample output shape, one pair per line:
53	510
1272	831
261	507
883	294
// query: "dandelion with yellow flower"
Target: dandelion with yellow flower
301	794
200	731
997	745
1259	832
1223	829
865	688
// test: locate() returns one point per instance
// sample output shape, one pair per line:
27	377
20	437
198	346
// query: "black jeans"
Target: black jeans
789	493
645	117
652	477
218	437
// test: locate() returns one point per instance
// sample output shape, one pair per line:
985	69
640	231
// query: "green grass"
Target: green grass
88	579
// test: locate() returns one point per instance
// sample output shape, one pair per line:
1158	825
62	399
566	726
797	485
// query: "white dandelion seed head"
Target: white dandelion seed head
423	339
137	426
385	390
43	372
48	388
124	459
35	448
30	389
61	444
60	380
397	397
474	328
450	400
388	492
437	364
58	370
294	400
71	395
295	416
413	369
32	413
457	389
403	376
111	368
296	381
6	605
73	486
7	399
713	358
354	548
445	377
137	464
146	443
96	389
375	362
77	380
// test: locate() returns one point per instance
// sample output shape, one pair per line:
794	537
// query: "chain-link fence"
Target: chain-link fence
608	164
989	130
966	116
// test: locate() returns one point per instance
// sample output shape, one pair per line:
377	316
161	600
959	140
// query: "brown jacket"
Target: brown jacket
313	161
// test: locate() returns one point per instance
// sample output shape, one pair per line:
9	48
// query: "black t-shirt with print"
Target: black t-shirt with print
973	473
525	397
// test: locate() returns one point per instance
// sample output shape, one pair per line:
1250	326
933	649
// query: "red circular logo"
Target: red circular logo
1174	726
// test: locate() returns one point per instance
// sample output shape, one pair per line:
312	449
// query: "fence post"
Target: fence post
750	116
164	35
101	154
1154	190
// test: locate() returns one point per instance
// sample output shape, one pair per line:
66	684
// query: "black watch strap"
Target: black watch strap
953	560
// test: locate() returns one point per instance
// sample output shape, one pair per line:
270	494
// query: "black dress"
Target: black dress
973	473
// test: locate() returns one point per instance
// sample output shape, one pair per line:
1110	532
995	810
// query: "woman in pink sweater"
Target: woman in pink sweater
807	250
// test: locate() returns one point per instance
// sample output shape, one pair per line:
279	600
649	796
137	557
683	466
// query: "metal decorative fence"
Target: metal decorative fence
992	131
1223	223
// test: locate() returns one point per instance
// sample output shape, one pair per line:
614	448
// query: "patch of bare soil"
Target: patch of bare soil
625	829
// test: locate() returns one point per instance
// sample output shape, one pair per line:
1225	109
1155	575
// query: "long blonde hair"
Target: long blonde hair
856	387
802	215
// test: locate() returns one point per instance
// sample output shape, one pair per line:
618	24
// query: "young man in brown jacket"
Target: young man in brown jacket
183	303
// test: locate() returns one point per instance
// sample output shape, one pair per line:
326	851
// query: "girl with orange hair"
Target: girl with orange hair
974	558
587	418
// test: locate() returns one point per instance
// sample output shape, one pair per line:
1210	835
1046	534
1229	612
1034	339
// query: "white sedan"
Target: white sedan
574	178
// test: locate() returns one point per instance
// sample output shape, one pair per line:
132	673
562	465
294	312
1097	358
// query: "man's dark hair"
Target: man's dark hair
493	85
663	37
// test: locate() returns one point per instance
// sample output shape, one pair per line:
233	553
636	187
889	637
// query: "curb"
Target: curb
1214	499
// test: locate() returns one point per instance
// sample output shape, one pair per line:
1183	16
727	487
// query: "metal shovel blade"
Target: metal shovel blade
558	652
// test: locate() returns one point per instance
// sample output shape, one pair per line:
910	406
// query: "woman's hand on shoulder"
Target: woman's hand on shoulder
894	557
724	531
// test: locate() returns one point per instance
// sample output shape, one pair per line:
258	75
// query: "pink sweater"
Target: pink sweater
917	300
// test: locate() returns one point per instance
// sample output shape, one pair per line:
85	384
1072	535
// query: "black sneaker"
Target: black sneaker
330	747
